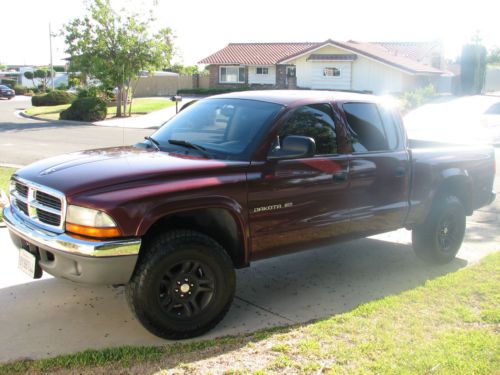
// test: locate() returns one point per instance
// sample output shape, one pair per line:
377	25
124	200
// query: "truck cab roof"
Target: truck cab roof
295	97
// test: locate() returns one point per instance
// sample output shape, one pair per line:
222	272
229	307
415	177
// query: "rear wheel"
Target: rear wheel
440	237
183	286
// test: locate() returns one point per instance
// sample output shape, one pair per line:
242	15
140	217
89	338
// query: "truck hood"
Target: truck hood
96	169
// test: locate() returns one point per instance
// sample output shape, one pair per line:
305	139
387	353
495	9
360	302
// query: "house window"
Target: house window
231	74
331	72
263	71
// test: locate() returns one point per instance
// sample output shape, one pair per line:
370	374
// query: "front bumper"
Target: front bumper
79	260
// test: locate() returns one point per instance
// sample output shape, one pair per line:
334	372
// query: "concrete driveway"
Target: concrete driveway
49	316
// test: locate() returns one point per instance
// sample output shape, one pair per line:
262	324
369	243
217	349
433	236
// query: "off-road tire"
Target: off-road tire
154	285
440	237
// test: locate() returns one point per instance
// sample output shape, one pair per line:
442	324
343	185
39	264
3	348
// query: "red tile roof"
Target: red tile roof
274	53
383	54
418	51
255	53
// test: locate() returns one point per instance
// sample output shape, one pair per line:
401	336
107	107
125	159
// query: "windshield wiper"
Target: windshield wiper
154	142
202	150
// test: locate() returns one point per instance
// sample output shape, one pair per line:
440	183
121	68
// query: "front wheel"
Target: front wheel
440	237
183	285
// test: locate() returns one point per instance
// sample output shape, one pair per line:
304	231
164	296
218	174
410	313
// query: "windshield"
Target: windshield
225	128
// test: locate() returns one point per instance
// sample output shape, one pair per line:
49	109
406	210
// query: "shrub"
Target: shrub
74	81
418	97
20	90
56	97
88	92
62	86
8	82
85	109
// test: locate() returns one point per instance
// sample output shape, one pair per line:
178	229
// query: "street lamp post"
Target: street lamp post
51	65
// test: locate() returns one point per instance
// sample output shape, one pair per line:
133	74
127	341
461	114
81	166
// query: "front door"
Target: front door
300	201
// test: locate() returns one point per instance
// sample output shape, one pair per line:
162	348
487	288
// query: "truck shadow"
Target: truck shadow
48	317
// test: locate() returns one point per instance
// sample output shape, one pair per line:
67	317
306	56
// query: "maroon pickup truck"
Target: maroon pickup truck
234	178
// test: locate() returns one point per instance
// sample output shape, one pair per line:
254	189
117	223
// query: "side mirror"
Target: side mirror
294	147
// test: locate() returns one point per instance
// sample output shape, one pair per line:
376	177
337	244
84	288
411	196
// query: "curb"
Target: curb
72	122
25	115
7	165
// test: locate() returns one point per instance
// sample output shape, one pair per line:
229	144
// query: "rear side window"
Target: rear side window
391	127
313	121
366	127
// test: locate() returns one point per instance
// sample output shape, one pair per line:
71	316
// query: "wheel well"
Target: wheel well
459	187
217	223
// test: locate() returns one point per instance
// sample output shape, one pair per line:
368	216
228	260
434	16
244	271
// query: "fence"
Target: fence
167	85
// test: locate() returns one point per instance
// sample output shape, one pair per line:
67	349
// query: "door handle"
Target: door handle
400	171
340	176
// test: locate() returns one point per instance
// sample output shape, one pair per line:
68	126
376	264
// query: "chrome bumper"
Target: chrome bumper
80	260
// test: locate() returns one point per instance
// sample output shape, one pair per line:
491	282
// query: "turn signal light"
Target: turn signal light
92	231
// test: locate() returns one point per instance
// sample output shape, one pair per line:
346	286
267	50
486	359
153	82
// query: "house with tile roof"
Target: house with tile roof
378	67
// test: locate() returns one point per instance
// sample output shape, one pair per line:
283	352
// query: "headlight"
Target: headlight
90	222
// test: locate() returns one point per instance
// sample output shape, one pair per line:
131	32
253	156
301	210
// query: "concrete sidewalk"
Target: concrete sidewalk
152	120
47	317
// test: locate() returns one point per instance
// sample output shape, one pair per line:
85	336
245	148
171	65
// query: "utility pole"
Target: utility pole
51	66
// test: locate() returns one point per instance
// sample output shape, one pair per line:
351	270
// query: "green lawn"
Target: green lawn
5	174
450	325
139	106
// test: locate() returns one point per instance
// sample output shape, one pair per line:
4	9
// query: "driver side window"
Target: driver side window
314	121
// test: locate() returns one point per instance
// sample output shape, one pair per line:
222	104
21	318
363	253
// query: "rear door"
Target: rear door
379	168
296	203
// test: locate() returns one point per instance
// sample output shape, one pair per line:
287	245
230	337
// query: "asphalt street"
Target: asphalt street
23	140
49	316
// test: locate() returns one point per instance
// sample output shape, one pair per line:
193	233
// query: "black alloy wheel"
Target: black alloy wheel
183	284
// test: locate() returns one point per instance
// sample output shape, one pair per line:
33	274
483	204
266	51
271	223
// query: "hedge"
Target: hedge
20	90
85	109
56	97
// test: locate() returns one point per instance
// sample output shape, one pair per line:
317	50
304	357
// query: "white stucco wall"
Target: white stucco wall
262	79
360	74
377	77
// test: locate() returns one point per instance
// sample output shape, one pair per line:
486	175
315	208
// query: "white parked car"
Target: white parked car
464	120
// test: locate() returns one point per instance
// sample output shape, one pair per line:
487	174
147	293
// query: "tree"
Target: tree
43	74
2	67
494	56
30	75
473	68
182	69
114	48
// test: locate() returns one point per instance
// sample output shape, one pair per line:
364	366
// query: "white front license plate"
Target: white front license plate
27	263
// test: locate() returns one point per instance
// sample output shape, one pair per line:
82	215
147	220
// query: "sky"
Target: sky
203	27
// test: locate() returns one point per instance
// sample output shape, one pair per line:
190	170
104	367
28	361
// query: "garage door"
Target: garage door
331	75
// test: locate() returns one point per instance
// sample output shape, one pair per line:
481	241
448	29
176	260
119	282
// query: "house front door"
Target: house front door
291	77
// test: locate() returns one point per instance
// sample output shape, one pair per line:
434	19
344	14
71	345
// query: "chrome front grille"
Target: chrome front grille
39	204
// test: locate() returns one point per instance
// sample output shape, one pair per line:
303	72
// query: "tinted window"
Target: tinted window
313	121
366	127
225	127
391	127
